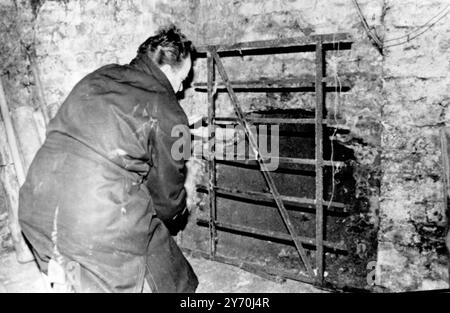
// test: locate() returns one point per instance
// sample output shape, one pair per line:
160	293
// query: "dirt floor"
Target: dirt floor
214	277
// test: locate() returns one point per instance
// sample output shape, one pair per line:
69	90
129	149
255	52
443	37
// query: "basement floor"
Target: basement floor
213	276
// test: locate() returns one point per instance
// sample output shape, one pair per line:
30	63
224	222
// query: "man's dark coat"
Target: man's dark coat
103	185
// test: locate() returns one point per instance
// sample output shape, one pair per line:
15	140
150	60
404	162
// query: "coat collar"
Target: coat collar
145	64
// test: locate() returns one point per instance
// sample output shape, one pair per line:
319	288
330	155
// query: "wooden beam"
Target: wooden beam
23	253
445	159
40	90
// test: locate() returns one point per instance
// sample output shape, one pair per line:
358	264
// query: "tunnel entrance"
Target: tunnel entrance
241	210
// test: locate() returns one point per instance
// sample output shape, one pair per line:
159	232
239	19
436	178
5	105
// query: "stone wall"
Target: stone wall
74	37
392	114
358	111
411	251
16	31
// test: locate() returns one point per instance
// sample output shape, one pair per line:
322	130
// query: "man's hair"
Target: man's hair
167	46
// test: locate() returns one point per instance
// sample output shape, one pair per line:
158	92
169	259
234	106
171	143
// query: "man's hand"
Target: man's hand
178	222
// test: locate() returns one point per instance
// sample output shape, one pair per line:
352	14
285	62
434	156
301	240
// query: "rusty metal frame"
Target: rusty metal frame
319	160
334	207
303	82
332	40
331	246
211	158
269	180
320	43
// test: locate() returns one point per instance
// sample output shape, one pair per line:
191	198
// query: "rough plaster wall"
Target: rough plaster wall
17	42
387	116
16	32
411	253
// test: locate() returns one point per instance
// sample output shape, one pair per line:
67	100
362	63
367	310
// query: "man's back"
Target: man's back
95	189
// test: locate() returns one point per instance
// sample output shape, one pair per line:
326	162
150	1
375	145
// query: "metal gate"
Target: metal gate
314	269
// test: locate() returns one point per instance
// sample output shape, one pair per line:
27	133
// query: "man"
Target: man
103	191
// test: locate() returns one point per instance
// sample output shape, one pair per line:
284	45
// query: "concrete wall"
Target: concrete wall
392	114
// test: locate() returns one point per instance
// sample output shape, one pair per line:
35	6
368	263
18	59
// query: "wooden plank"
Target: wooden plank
40	89
445	157
10	133
23	253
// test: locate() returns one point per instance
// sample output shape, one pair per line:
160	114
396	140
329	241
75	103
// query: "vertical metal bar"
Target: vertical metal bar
319	159
211	157
269	180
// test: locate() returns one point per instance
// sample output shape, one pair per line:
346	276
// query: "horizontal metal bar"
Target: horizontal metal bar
262	196
266	272
271	273
309	162
267	120
306	81
333	39
270	234
264	120
281	160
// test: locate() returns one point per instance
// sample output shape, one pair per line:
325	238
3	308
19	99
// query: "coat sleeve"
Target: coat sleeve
167	175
